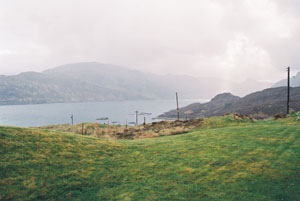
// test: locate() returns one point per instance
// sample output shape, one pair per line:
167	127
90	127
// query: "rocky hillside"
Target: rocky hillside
260	104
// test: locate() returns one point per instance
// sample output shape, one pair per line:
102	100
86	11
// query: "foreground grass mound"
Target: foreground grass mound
241	161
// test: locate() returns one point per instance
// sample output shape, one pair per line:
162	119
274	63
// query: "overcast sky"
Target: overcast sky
232	39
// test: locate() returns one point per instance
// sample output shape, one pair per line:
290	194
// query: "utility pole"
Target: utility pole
177	106
82	128
136	117
72	117
288	92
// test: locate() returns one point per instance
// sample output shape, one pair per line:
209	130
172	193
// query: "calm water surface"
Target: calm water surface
60	113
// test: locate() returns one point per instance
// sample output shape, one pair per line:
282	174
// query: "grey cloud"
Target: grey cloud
206	38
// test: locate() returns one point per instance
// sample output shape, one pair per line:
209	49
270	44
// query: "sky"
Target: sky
232	39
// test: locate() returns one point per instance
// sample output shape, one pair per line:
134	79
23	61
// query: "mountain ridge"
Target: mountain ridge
261	104
93	81
80	82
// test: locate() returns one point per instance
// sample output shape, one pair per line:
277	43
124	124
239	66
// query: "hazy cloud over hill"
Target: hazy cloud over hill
244	39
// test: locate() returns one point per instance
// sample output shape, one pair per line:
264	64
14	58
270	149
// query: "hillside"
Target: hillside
92	81
77	83
260	104
32	88
225	160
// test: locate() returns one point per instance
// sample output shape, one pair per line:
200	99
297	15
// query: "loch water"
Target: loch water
117	112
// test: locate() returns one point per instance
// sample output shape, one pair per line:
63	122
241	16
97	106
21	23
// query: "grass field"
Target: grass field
225	159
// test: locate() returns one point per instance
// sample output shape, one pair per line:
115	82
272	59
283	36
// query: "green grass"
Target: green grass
224	160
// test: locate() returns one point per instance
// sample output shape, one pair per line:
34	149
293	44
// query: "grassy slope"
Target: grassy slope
245	161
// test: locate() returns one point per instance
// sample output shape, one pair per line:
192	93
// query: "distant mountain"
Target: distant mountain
294	81
92	81
80	82
263	103
124	83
